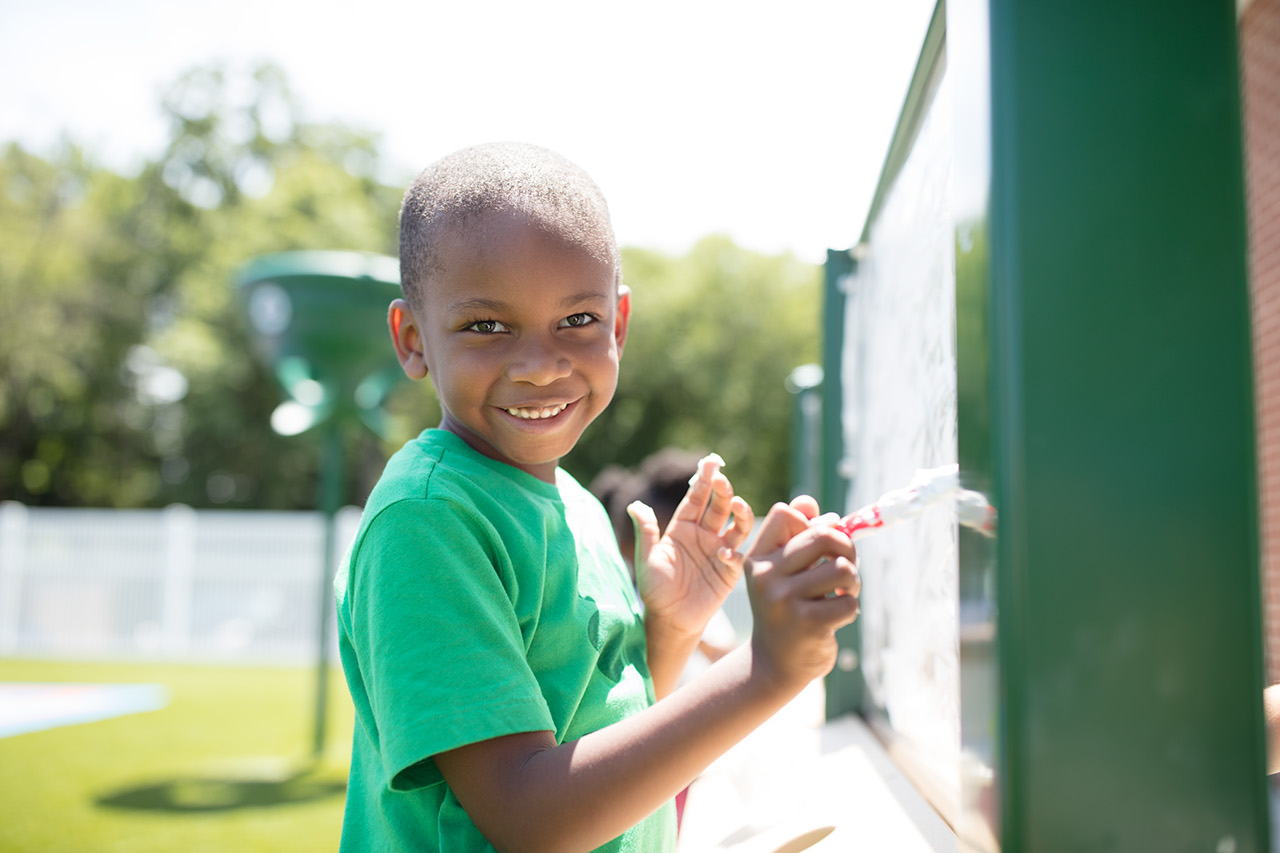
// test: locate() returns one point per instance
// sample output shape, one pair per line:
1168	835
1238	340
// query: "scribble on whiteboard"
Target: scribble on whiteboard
900	416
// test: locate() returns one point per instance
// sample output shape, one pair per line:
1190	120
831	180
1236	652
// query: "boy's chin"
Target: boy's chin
522	449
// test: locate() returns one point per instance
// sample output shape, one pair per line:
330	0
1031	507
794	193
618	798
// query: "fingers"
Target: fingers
647	532
814	544
711	503
709	497
743	520
827	578
832	612
736	534
824	596
806	505
817	565
780	525
719	507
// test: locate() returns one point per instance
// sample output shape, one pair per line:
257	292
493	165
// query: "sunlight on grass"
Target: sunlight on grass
226	765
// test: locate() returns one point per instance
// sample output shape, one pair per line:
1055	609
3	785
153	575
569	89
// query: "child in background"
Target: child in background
510	691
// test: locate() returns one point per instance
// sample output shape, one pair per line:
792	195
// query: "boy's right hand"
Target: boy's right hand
803	583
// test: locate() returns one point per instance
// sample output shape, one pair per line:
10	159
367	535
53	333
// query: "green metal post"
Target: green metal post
804	384
1110	640
835	483
844	684
332	486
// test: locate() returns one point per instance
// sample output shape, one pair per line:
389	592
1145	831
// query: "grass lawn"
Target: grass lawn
226	765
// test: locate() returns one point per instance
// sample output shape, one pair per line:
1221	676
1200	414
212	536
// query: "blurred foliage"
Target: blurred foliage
129	377
128	374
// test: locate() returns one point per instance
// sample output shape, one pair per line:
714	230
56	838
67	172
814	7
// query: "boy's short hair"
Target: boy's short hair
555	193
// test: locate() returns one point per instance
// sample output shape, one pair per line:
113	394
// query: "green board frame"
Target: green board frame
1106	406
1111	649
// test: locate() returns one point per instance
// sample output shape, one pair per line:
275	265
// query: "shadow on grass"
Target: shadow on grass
203	795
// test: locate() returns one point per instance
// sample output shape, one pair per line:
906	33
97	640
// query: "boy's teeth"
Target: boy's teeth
541	412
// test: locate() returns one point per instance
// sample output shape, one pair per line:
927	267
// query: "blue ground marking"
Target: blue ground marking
30	707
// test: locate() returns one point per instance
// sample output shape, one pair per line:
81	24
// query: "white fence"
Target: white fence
176	584
171	584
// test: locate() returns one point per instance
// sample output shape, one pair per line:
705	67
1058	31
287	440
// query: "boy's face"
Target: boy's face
521	334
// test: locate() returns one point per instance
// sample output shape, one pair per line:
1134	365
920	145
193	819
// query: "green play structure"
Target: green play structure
319	319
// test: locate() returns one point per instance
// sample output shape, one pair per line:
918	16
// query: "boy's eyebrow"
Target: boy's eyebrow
478	303
483	303
584	296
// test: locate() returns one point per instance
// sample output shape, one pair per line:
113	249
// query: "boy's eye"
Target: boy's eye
574	321
485	327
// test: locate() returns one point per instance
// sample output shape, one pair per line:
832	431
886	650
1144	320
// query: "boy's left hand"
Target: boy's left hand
685	573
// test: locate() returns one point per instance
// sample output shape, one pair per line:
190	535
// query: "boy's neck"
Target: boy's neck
544	471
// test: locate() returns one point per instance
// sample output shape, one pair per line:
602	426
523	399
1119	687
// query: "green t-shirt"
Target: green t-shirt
478	601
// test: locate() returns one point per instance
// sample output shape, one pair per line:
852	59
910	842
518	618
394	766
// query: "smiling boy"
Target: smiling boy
511	691
522	337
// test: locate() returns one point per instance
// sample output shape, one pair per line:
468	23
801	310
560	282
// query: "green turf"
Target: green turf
226	765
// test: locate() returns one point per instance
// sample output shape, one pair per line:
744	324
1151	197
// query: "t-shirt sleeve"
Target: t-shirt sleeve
437	639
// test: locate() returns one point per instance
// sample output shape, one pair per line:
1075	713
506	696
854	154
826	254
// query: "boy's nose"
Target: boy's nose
538	362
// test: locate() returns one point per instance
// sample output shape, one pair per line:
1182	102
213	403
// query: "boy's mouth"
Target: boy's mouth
536	413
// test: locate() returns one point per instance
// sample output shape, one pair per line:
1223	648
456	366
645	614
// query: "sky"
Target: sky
768	122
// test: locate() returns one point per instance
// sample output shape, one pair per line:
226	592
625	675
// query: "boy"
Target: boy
508	693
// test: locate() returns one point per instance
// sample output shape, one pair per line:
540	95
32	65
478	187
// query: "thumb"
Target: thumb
647	532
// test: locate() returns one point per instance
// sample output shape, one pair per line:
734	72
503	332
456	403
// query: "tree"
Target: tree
129	377
69	289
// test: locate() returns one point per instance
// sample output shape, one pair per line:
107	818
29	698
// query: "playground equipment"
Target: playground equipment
1051	287
320	322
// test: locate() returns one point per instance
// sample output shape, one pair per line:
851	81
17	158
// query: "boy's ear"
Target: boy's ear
407	340
622	316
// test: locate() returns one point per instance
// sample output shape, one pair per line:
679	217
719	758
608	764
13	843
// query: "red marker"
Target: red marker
928	487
